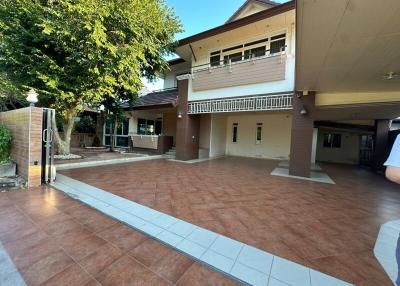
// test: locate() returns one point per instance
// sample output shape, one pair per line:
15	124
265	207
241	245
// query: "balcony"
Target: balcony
244	72
241	104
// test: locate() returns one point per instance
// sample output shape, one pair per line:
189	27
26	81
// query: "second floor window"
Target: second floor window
255	49
278	44
215	58
236	57
254	53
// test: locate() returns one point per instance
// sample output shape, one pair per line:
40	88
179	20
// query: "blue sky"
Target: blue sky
200	15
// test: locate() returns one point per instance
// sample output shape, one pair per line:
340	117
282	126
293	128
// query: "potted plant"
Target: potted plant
7	167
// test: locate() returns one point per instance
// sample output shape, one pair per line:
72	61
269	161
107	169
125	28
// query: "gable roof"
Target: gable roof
158	99
278	9
266	3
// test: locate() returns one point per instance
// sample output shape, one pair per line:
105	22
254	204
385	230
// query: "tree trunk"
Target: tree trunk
63	145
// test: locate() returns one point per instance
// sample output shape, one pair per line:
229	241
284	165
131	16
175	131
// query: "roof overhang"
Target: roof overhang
347	45
184	45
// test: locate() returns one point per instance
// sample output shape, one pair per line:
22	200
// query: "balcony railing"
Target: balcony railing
245	72
240	104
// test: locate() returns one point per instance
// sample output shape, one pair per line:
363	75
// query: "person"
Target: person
393	173
393	162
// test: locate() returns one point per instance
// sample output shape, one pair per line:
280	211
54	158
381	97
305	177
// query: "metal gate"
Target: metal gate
48	168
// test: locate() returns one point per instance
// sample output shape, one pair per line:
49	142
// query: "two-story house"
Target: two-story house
240	90
230	92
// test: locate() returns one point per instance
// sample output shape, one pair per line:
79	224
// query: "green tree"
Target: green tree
10	97
77	52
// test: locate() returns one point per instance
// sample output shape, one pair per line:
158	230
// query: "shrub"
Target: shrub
5	144
96	141
86	125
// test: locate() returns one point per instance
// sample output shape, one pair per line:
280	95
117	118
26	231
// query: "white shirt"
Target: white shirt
394	157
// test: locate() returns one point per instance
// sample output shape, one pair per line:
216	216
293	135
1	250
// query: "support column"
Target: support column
302	134
187	126
382	128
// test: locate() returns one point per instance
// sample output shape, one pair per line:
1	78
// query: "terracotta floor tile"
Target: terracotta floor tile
122	236
45	268
164	261
100	259
80	243
299	220
126	271
198	275
91	218
70	276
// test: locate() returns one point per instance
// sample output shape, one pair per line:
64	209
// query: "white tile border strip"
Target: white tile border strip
76	165
9	275
386	246
314	176
194	161
238	260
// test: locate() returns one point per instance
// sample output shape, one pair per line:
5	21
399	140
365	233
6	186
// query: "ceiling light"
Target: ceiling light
390	76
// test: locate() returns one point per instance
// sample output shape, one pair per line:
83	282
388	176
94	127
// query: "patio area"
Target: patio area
47	238
330	228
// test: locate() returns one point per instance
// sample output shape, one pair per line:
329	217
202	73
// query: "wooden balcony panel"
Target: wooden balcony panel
244	73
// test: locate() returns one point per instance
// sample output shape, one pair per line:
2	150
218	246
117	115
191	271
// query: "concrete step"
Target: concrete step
170	153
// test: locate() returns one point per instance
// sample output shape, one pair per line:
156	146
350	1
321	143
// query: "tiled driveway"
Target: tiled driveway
54	240
331	228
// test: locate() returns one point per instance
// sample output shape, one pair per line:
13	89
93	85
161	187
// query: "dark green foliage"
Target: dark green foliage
76	52
5	144
96	141
86	124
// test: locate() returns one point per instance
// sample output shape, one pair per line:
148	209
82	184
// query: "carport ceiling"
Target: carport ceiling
347	45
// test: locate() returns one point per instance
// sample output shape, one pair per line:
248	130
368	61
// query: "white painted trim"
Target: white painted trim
184	76
241	104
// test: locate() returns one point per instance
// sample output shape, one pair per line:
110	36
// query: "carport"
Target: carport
347	74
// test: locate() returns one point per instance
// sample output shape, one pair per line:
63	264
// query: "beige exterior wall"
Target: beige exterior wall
324	99
348	153
26	127
251	9
276	134
218	135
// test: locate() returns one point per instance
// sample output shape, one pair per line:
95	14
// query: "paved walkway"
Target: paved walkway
331	228
241	261
52	239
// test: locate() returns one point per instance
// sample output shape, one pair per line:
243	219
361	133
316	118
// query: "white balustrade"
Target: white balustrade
238	104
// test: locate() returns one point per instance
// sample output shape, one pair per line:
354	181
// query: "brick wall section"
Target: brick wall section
35	171
26	127
187	127
302	134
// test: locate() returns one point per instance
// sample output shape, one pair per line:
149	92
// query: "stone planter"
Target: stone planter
8	169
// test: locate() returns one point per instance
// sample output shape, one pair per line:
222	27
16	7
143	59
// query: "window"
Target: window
149	127
236	57
234	133
254	53
278	44
215	58
259	133
332	140
121	136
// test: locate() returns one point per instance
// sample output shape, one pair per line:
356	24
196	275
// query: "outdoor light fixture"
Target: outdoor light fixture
304	111
102	107
179	115
32	97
